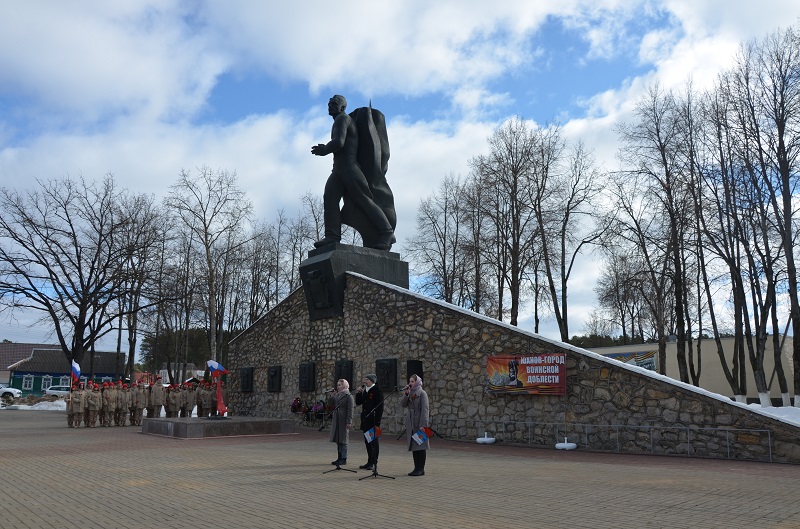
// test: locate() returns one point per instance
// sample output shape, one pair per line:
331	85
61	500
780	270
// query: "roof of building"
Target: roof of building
11	353
51	359
179	365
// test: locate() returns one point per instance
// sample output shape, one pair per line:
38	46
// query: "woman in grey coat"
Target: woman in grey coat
341	419
416	403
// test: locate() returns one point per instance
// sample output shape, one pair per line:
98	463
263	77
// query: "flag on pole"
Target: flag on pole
216	369
221	408
76	371
372	434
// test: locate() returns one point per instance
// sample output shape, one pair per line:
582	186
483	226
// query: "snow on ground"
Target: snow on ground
789	414
57	405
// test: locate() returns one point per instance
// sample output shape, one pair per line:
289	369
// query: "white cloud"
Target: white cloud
115	86
92	60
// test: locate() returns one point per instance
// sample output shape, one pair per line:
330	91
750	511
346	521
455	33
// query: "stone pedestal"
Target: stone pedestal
194	427
323	274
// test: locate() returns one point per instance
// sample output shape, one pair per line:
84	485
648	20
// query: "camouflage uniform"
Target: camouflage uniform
93	399
185	400
123	397
109	404
140	403
198	399
207	399
87	391
172	401
156	399
75	404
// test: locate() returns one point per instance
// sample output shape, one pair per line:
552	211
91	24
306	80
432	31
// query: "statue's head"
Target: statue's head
337	104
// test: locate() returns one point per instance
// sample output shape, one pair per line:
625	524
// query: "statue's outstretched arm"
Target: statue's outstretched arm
338	137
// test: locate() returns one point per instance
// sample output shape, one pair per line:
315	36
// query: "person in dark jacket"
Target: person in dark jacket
370	397
416	403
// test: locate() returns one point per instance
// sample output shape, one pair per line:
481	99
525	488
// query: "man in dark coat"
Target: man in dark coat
370	397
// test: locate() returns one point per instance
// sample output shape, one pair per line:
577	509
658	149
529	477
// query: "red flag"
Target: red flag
221	409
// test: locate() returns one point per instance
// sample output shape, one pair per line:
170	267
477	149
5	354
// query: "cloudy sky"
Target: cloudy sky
143	89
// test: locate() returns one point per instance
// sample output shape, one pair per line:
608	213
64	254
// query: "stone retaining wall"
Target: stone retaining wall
608	406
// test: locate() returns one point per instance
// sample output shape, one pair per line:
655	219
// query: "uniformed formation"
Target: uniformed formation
117	404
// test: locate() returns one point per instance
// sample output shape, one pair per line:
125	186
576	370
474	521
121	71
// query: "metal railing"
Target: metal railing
723	443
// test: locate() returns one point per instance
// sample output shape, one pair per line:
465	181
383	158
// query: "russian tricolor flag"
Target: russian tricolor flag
76	371
216	369
422	435
372	433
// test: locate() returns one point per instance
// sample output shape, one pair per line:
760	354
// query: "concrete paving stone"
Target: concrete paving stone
118	477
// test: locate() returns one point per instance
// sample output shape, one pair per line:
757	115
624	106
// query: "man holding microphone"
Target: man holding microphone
370	397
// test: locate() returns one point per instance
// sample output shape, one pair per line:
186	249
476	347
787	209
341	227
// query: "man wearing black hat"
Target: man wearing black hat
370	397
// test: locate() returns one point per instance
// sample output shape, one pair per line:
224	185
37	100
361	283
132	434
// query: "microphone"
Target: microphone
333	390
405	387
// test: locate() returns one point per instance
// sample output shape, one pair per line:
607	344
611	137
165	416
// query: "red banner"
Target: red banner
534	374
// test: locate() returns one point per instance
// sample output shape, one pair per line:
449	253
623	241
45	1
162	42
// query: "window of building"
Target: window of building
64	380
27	382
47	381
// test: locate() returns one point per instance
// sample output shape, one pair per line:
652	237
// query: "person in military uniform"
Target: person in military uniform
75	404
156	399
140	402
198	399
123	398
207	399
173	400
110	396
93	403
87	389
186	410
131	403
70	413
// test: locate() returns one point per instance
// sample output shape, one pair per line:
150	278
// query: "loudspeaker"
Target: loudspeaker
246	377
274	376
414	367
343	369
386	369
307	376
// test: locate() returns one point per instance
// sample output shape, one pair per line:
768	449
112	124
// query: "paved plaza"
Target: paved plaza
57	477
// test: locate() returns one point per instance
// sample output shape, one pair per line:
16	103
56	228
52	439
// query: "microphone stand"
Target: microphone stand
337	459
375	464
326	416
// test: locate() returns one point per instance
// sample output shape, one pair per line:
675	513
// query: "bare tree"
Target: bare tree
563	205
61	255
619	294
143	237
436	249
212	206
510	171
777	86
654	153
481	293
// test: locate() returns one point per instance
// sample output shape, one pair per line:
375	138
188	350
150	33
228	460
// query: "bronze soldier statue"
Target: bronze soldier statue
360	149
